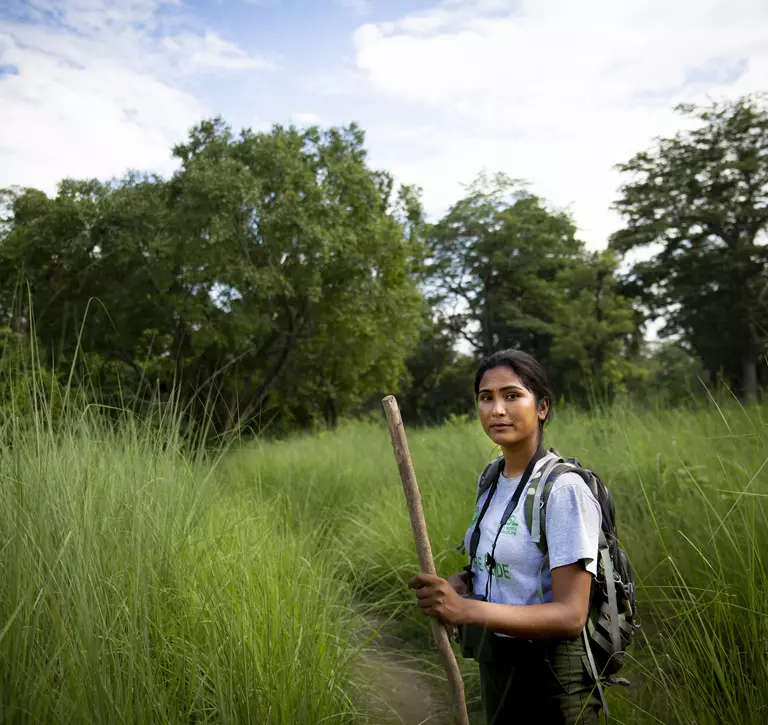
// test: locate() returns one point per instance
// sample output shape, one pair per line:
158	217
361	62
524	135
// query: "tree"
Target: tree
323	261
594	349
265	256
674	375
439	377
702	196
495	256
366	328
509	272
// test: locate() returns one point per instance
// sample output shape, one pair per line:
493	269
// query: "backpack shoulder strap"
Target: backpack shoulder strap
537	500
538	495
488	475
613	606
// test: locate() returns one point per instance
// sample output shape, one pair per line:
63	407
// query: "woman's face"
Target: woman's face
507	409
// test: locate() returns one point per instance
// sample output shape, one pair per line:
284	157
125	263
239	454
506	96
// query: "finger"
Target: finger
416	582
432	602
423	579
425	592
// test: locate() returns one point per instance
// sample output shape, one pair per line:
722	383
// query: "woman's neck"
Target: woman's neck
518	456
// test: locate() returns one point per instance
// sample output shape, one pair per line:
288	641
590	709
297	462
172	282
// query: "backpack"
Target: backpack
612	618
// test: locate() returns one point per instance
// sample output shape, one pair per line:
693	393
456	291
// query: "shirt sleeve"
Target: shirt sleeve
573	523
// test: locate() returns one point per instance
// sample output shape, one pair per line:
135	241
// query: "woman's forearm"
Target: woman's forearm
553	620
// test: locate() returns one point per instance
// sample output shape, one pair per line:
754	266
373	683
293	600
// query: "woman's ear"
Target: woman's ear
543	409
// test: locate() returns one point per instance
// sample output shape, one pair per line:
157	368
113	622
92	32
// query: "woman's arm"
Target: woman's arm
562	618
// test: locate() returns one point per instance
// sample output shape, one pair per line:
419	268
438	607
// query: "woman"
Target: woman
538	671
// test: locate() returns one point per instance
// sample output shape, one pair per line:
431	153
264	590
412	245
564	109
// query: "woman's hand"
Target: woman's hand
460	582
438	598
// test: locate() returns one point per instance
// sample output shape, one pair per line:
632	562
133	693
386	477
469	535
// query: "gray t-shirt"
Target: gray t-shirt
573	529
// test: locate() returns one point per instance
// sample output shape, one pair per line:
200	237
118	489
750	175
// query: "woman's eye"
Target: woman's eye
511	396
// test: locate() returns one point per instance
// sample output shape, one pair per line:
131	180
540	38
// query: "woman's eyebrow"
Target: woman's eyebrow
506	387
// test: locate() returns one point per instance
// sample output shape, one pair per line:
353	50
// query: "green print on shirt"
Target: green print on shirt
511	526
500	571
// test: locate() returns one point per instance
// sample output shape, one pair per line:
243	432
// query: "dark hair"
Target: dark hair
526	367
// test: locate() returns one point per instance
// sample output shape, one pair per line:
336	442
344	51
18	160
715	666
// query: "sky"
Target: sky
555	92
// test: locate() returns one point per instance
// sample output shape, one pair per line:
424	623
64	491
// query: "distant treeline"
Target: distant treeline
276	282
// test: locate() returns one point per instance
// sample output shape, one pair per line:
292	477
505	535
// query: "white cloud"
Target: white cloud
100	88
554	91
61	120
211	52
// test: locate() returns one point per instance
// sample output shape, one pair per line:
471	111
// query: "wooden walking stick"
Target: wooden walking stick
424	550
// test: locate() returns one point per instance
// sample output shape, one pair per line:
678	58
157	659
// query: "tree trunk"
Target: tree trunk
599	362
749	361
486	324
269	380
713	377
749	377
331	413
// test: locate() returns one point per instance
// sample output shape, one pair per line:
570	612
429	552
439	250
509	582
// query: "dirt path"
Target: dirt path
401	692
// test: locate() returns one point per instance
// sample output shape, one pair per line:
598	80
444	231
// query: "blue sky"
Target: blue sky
552	91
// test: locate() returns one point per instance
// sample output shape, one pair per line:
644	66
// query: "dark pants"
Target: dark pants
545	684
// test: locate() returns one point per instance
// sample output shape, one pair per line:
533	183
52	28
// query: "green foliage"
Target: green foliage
272	268
277	282
27	391
702	195
494	258
509	272
142	584
672	375
439	377
592	351
690	492
134	588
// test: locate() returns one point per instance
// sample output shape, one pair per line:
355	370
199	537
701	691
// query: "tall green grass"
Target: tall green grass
690	489
144	579
134	588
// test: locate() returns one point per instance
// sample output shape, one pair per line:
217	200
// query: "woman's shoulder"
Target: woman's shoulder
575	484
485	477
